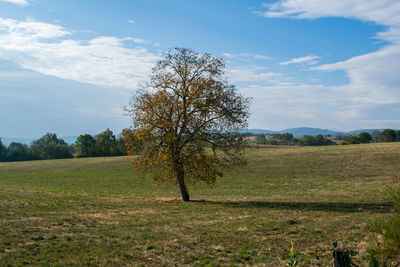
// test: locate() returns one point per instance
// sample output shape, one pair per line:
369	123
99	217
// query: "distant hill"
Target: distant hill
259	131
302	131
357	132
297	132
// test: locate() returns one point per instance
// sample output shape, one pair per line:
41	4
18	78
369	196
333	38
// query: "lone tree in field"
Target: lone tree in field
184	120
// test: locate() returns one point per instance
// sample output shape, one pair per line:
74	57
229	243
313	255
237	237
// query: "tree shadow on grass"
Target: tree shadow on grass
307	206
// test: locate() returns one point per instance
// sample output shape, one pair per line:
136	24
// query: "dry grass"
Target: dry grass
98	212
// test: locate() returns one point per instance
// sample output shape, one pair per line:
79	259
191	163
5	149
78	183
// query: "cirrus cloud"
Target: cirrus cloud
307	59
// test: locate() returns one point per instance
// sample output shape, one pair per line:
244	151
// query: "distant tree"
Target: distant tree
376	136
120	149
85	146
388	135
276	136
353	139
364	137
272	142
260	139
398	136
183	116
341	137
102	145
248	134
105	143
287	138
18	152
282	139
50	147
3	151
318	140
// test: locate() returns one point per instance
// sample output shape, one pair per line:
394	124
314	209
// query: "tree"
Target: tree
376	136
318	140
353	139
364	137
260	139
389	135
18	152
120	149
50	147
105	143
85	146
3	151
287	138
183	117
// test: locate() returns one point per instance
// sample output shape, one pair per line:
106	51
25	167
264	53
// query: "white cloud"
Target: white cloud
307	59
29	30
286	104
228	55
284	101
374	77
135	40
249	74
245	56
41	47
277	98
384	12
131	21
381	12
17	2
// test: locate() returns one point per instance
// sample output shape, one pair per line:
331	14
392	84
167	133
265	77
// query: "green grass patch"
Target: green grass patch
97	211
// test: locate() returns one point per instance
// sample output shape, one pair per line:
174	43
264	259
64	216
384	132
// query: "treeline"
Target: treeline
288	139
102	145
50	146
46	147
387	135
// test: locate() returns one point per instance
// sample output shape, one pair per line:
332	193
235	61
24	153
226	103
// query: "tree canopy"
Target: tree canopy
104	144
184	120
50	147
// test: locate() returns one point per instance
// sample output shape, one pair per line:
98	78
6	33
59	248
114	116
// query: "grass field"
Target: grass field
96	211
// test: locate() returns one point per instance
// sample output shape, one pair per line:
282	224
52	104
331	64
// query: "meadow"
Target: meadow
97	211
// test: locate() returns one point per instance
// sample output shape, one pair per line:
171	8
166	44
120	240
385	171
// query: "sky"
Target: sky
69	67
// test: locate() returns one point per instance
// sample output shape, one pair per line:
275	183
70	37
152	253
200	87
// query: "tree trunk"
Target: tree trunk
341	258
181	181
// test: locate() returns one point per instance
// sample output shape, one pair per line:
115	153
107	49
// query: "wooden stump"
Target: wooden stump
341	258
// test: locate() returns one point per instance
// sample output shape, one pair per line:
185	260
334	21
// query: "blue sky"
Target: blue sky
70	66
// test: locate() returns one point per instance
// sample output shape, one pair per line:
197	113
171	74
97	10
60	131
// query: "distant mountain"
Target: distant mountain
302	131
297	132
259	131
357	132
8	140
